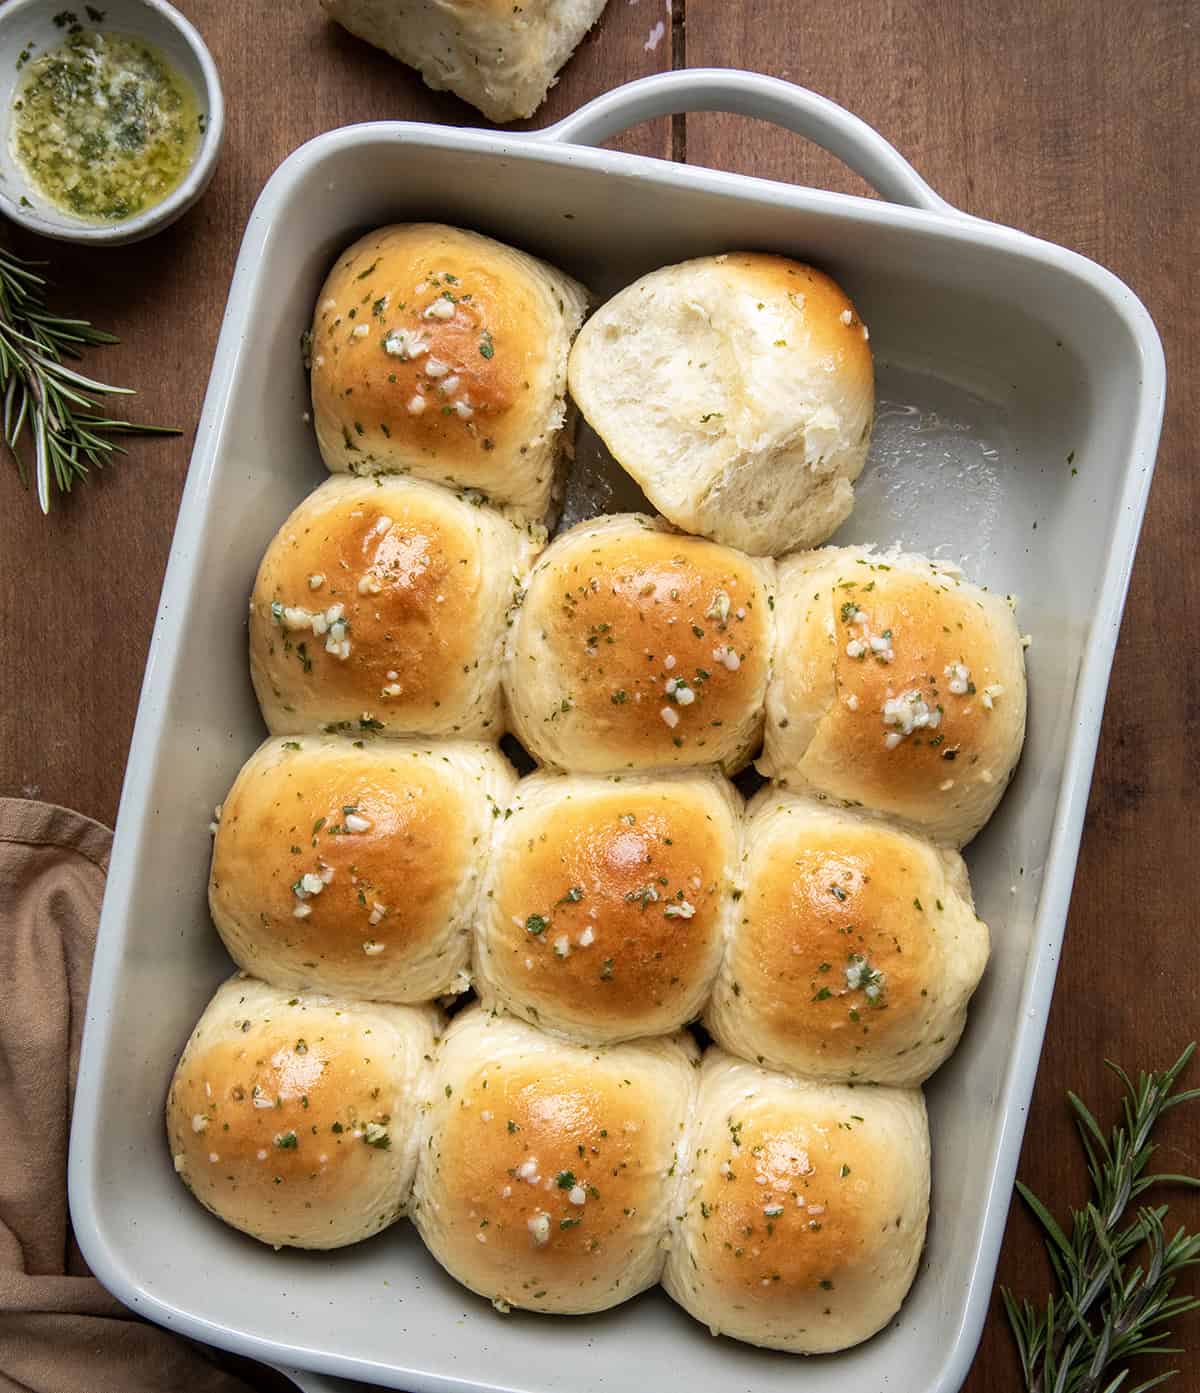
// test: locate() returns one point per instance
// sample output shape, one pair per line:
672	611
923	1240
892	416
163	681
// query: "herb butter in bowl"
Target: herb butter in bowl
112	116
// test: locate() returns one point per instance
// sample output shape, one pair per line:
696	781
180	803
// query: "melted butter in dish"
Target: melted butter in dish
104	126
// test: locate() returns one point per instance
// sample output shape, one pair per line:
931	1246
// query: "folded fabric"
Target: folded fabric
60	1331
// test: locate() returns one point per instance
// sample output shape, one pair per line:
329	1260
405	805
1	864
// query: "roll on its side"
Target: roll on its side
443	354
738	391
498	56
607	901
381	606
550	1172
854	951
804	1208
294	1117
897	685
636	647
354	867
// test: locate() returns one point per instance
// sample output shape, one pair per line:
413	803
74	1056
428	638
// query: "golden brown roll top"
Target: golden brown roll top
550	1172
897	685
381	607
804	1208
443	354
854	950
636	647
294	1118
738	390
607	902
352	866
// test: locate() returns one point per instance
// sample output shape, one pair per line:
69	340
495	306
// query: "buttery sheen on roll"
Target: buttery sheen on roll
549	1177
353	867
636	647
854	950
381	606
607	901
804	1208
294	1117
738	391
443	354
897	685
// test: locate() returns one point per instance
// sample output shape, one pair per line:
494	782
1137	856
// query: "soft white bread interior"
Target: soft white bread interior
854	951
636	647
293	1117
804	1208
443	354
898	685
549	1175
738	391
353	867
608	900
501	57
381	607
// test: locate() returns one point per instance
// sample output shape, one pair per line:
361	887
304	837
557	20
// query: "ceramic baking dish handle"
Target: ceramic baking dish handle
797	109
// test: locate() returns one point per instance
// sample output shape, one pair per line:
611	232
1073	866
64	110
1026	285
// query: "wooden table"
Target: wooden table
1072	119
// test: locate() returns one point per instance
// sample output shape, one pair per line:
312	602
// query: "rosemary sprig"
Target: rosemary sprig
44	399
1107	1311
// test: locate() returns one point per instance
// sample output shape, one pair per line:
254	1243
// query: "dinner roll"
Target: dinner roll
352	866
804	1208
381	606
607	901
499	56
854	951
549	1177
637	647
897	685
443	354
294	1118
738	391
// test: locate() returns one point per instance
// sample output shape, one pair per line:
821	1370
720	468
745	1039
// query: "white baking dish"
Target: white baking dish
1006	365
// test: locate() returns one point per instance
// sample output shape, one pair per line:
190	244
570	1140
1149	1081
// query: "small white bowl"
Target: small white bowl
29	25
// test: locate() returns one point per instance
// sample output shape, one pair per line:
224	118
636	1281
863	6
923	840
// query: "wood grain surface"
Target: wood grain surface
1073	119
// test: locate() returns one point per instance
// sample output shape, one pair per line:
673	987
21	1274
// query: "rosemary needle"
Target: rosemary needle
45	400
1108	1311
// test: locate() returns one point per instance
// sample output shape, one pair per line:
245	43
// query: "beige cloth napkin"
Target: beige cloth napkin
60	1331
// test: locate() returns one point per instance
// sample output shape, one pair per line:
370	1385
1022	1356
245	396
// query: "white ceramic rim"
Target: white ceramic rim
916	207
190	188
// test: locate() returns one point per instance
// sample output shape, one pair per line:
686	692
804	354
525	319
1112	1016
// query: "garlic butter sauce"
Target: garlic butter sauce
103	125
